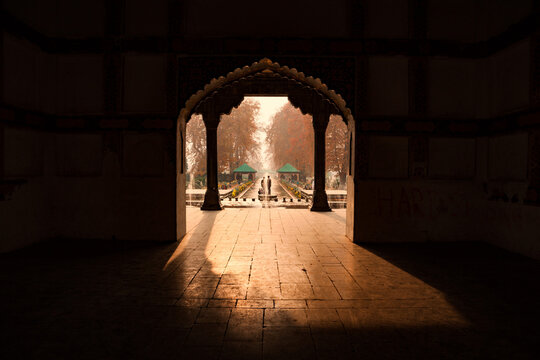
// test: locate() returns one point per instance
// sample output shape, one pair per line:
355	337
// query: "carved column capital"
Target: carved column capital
220	102
211	119
320	120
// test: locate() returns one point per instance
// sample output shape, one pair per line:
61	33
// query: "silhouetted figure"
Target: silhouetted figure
262	186
269	185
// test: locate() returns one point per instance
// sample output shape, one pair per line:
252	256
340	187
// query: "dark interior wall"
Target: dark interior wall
442	91
473	21
20	62
71	166
431	176
99	185
60	18
300	19
457	20
25	176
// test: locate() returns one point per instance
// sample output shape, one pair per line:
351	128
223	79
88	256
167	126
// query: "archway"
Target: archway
265	77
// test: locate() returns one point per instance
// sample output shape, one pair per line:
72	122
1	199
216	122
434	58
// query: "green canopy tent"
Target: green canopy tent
290	170
244	169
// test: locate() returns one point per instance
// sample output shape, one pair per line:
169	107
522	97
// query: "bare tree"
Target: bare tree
336	147
196	146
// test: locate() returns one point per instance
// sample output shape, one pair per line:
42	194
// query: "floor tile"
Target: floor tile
285	317
234	289
213	316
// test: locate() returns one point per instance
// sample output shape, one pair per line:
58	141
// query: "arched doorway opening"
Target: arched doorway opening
265	78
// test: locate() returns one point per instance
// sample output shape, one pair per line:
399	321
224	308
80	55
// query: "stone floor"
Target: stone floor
268	283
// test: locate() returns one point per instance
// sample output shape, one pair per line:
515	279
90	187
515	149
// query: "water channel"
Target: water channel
251	196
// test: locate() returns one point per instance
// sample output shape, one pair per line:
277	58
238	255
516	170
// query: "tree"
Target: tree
236	140
236	137
336	147
291	139
196	146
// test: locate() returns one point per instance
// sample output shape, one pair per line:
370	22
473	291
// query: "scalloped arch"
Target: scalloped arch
265	65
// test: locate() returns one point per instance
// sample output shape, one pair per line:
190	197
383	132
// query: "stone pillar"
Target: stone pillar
211	197
320	199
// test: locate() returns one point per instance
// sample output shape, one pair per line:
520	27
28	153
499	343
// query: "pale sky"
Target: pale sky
269	105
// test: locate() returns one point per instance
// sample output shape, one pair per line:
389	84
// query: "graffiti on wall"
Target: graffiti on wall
414	202
417	202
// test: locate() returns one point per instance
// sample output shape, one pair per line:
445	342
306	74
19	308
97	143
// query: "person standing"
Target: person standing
269	185
262	185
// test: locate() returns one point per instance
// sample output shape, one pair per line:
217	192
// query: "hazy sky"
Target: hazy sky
269	105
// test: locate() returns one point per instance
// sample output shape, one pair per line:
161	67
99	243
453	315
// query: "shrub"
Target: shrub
293	189
238	189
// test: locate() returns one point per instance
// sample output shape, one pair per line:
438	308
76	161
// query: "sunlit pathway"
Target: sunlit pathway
267	283
276	189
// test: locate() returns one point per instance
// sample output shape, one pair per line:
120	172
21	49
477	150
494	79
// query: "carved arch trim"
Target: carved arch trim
266	68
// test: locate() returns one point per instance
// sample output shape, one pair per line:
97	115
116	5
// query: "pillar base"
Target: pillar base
320	201
211	200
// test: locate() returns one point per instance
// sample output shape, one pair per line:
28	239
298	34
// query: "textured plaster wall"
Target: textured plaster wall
393	206
122	184
387	19
452	88
119	199
474	191
83	186
214	18
507	222
406	210
443	16
20	73
510	78
73	19
24	215
500	14
473	21
145	83
80	84
451	158
388	86
457	20
144	20
51	83
388	157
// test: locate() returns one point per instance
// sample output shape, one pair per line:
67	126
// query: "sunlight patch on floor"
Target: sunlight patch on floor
298	259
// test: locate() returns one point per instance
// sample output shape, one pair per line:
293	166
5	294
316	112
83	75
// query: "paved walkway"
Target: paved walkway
268	283
253	192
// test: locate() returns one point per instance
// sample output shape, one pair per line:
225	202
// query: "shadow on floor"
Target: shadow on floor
498	292
128	301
